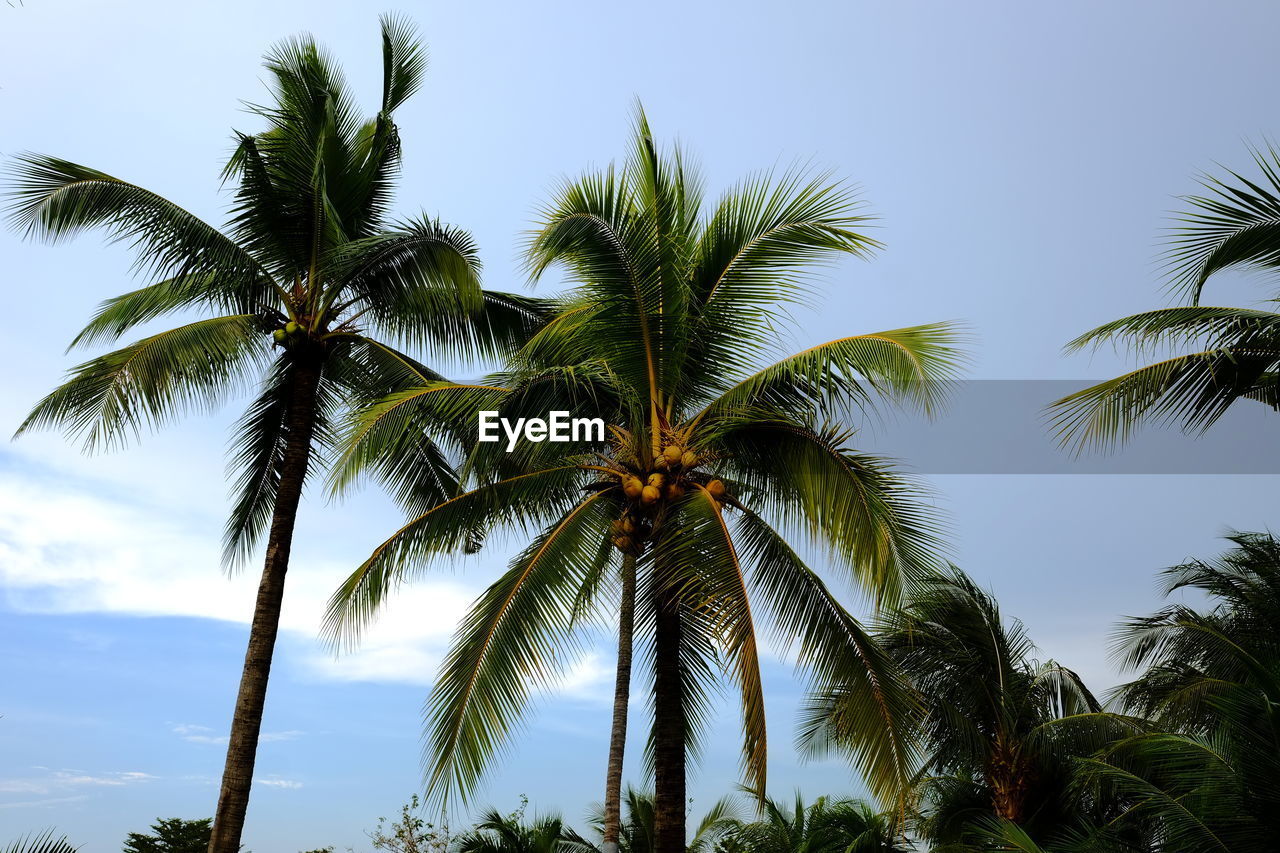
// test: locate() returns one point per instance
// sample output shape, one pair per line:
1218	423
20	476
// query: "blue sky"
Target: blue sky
1022	159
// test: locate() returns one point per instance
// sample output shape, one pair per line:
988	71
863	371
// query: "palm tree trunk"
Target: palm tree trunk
242	748
621	696
668	728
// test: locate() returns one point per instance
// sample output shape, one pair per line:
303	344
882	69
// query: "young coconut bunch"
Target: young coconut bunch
309	292
684	518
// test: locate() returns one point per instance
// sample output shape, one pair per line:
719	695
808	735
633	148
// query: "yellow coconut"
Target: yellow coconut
631	487
650	494
623	542
278	336
716	488
656	480
672	453
291	328
689	459
628	525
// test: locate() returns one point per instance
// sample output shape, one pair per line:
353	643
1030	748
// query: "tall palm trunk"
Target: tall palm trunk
668	727
621	696
242	748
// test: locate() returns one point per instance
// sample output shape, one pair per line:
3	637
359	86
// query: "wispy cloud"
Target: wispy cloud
203	734
277	782
52	781
36	804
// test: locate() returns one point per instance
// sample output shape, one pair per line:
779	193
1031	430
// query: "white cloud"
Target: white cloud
68	546
54	781
203	734
36	804
277	782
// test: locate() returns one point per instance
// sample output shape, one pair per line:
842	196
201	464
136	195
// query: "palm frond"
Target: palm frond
145	384
518	633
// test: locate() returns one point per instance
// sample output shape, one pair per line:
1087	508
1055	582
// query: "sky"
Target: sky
1022	160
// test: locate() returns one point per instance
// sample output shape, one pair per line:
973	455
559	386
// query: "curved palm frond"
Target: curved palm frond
146	383
518	633
1234	225
872	517
525	500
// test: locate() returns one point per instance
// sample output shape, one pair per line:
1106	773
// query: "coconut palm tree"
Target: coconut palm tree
309	289
1236	351
499	833
1209	778
636	830
825	826
997	732
713	459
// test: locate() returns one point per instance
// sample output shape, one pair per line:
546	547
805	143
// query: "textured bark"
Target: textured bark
621	696
242	748
668	729
1008	780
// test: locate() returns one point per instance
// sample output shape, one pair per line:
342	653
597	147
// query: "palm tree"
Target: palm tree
1235	225
1209	778
825	826
305	284
636	830
711	458
997	732
499	833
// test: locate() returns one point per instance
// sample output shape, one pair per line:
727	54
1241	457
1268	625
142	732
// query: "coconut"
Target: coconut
631	487
291	328
672	453
623	542
716	488
656	480
628	525
650	494
278	336
689	459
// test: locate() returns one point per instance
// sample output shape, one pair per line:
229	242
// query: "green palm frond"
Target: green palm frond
1192	391
872	517
860	704
55	199
1215	326
1233	225
45	842
145	384
909	365
525	500
518	634
704	558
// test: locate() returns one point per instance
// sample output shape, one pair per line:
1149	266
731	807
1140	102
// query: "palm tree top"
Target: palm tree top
310	269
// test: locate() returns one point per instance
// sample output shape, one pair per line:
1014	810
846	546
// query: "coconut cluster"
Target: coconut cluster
646	491
292	333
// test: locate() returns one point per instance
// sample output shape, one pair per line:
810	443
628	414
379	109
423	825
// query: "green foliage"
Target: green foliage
311	269
662	333
171	835
1209	778
997	733
1236	351
825	826
411	833
510	833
